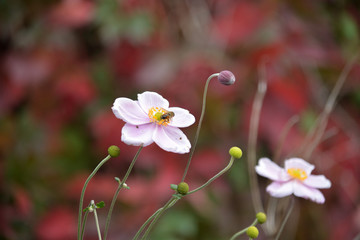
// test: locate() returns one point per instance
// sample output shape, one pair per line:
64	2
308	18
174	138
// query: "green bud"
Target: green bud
235	152
114	151
182	188
252	232
261	217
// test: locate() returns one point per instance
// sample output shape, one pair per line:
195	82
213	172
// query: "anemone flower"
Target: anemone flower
150	119
295	179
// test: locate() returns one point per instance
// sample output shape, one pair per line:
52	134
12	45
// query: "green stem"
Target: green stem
96	219
83	224
199	125
173	200
291	207
148	221
83	193
243	231
169	204
215	177
120	186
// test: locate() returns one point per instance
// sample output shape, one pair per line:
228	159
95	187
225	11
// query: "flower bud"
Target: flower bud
114	151
226	77
261	217
235	152
182	188
252	232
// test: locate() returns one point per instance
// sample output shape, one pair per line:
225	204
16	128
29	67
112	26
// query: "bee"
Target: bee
167	116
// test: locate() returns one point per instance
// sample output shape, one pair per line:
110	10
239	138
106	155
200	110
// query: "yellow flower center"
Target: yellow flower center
297	173
156	115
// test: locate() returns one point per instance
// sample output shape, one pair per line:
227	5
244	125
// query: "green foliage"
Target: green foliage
176	225
349	33
100	204
307	120
114	22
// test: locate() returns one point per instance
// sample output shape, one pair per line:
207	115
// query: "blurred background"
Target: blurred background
64	62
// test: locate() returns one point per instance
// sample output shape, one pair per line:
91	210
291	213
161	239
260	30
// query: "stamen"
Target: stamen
297	173
155	114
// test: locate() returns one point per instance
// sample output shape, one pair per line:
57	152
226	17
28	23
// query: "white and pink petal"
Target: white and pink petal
300	164
138	134
171	139
129	111
271	170
148	100
182	117
301	190
317	181
280	189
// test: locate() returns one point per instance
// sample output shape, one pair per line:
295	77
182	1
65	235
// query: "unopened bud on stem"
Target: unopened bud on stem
252	232
183	188
235	152
114	151
226	77
261	217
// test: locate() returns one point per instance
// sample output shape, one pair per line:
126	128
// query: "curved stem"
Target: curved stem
214	177
149	219
271	212
199	125
291	207
120	186
357	237
284	132
83	225
243	231
254	125
169	204
146	223
96	219
318	129
83	193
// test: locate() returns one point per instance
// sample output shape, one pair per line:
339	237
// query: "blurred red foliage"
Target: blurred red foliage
58	224
63	63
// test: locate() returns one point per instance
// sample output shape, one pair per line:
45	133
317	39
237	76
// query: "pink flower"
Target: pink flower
295	179
150	119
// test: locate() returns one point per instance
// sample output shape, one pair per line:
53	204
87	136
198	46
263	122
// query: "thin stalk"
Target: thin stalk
215	177
146	223
291	207
150	218
170	203
96	219
199	125
83	193
324	117
243	231
291	122
83	225
253	132
271	212
120	186
357	237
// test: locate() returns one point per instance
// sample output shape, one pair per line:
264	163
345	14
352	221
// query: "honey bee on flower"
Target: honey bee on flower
150	119
167	116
